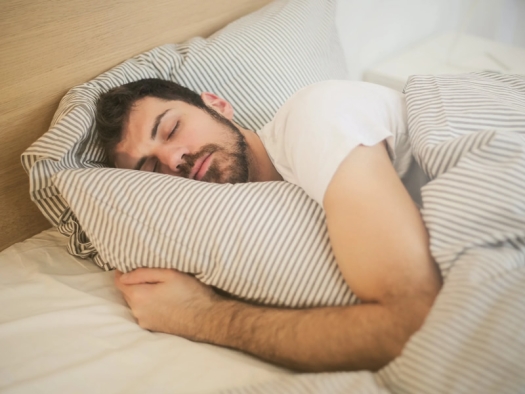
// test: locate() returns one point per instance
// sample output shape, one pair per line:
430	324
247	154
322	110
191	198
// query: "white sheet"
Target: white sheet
64	328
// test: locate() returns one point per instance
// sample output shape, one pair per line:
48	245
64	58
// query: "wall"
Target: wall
374	30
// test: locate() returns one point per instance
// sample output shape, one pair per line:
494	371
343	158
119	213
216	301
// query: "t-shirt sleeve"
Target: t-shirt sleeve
325	122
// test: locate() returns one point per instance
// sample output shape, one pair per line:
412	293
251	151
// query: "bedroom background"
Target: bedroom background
63	325
373	31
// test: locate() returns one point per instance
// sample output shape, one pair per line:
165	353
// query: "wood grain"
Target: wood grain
49	46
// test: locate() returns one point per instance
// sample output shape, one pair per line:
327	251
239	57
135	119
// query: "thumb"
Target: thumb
145	275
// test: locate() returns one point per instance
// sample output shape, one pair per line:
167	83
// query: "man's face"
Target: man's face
176	138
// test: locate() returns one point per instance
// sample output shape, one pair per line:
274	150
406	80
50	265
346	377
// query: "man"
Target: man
334	139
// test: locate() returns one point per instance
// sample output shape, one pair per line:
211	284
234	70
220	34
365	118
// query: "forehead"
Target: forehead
145	107
144	113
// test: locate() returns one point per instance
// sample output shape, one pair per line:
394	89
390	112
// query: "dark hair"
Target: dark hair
114	107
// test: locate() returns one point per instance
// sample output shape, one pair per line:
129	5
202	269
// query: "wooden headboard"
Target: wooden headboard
47	47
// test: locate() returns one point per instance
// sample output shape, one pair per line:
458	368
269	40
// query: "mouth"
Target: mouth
201	167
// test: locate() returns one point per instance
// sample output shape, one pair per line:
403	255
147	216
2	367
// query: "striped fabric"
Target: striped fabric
256	62
468	134
262	242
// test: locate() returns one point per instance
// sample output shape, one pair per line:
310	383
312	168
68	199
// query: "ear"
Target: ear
218	104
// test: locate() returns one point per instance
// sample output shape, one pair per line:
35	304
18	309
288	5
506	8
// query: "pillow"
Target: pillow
263	242
256	62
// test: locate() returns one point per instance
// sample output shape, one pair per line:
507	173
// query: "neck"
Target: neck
261	167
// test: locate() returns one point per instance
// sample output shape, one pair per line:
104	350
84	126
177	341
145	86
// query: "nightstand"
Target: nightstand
448	54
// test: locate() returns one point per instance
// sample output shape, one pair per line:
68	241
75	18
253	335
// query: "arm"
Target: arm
381	246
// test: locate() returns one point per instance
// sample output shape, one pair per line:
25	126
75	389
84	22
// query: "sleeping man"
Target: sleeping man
345	144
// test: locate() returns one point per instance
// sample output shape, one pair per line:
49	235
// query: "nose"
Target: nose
170	157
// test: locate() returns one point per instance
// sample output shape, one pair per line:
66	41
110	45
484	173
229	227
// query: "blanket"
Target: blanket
467	133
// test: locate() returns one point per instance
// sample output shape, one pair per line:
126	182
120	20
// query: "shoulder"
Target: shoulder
321	123
336	98
342	92
344	101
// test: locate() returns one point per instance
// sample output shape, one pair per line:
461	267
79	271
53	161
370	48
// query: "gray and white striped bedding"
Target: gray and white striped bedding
128	219
262	242
468	134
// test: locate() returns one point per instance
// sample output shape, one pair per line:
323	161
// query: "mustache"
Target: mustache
190	159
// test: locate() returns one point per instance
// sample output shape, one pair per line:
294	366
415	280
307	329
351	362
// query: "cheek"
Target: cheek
212	132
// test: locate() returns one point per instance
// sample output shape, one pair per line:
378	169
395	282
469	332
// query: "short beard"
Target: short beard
238	169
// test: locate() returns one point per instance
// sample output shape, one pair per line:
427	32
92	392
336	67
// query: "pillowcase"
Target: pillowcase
264	242
256	62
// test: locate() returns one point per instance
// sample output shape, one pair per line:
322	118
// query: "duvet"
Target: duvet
467	133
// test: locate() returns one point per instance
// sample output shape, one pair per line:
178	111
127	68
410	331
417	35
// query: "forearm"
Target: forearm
365	336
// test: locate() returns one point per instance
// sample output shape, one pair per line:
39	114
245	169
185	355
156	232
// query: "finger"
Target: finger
118	274
130	293
116	279
146	275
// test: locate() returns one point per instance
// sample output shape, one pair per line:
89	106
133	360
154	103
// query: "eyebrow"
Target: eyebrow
156	125
154	130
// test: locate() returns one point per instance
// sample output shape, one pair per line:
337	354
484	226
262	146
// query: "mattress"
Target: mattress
65	328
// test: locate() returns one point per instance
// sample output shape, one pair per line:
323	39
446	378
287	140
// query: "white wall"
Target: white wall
374	30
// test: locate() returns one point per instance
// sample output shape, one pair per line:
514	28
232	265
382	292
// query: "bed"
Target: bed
63	325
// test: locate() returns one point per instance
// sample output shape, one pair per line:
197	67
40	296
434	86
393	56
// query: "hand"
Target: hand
166	300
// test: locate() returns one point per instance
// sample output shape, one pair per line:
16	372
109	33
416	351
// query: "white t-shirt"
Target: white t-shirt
320	125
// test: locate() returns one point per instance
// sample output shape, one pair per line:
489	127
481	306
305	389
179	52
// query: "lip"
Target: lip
201	167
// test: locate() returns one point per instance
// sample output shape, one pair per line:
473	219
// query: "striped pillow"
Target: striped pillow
265	242
256	62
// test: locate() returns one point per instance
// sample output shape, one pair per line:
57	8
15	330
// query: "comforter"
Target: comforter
467	133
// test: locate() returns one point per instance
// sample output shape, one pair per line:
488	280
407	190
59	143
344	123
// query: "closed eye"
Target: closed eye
173	131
